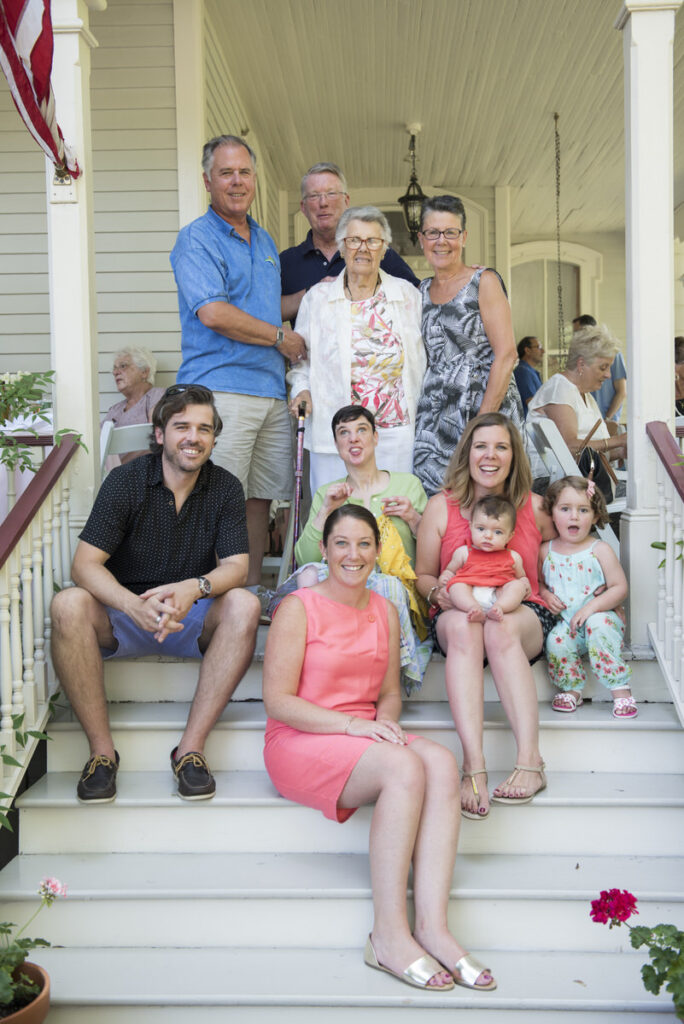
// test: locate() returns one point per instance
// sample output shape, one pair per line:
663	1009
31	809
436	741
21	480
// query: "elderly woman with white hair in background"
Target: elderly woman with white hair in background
134	369
364	347
566	397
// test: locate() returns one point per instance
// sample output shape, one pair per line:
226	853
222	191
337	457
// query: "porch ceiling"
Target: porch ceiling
339	79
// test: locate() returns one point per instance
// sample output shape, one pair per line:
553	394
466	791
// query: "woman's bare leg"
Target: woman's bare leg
509	644
393	777
435	853
464	643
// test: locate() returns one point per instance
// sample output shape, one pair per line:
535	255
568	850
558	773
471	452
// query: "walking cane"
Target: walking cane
301	415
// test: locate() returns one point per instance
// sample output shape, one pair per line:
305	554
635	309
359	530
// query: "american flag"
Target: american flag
26	59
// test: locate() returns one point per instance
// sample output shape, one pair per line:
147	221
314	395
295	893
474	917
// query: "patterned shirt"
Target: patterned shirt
134	520
377	362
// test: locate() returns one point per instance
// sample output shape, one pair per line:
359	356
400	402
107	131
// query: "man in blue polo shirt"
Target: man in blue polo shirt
228	276
324	200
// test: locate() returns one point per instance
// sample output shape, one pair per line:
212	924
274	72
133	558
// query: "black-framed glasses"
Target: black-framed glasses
451	234
354	242
315	197
179	389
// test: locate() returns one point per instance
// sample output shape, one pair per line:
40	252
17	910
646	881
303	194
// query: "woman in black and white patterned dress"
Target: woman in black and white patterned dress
468	335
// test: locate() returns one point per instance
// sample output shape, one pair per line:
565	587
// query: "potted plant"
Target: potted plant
25	987
665	944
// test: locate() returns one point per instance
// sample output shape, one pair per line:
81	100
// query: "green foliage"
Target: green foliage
14	948
665	949
26	395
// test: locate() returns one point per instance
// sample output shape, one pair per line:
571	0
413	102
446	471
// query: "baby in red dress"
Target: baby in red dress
485	579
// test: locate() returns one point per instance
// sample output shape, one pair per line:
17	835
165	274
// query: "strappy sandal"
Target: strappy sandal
567	701
418	974
468	970
511	782
474	815
625	707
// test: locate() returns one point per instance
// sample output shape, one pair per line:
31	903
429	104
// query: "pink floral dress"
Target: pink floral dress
575	578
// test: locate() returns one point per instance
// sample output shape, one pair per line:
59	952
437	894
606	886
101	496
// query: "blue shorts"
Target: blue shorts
135	642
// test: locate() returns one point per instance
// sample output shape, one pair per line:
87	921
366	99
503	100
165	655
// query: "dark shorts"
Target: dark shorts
134	642
547	620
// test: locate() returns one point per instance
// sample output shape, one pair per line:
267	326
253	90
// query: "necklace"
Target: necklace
361	297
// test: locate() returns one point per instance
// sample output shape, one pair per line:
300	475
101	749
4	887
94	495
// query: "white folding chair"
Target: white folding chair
119	440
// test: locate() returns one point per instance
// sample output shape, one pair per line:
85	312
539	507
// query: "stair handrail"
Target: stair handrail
35	556
667	632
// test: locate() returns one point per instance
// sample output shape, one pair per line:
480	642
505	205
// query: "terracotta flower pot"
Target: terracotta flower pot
36	1011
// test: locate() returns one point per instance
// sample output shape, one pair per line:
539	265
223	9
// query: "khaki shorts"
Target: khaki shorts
256	444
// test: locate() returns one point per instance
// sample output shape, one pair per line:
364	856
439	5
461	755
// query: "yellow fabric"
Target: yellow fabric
394	561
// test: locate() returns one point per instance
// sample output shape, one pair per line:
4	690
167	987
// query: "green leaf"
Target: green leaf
8	759
660	545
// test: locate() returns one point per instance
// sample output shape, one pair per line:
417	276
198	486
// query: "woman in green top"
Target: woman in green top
397	501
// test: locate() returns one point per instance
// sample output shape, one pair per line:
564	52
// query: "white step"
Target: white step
153	679
288	900
145	734
103	986
592	813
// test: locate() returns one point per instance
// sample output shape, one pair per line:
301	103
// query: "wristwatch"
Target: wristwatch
205	586
280	337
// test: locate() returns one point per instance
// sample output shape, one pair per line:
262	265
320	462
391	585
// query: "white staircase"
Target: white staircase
249	908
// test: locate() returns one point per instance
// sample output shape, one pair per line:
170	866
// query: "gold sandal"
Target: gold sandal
474	816
469	970
511	782
418	974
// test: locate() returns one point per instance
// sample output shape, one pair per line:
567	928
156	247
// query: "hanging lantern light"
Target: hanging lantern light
412	201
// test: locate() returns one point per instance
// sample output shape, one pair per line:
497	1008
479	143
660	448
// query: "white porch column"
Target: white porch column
191	130
648	27
71	262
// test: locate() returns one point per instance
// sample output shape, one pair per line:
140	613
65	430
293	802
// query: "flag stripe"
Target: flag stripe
26	47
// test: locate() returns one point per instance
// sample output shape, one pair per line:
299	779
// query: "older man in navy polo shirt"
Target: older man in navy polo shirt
228	276
324	200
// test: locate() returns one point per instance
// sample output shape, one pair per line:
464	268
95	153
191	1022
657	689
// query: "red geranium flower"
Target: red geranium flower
614	905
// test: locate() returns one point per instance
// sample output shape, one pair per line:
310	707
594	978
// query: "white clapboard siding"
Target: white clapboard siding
136	186
24	321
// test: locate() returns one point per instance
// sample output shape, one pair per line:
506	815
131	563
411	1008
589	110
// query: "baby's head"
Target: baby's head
492	523
586	489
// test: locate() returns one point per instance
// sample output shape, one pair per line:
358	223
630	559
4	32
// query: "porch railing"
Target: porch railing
35	558
667	632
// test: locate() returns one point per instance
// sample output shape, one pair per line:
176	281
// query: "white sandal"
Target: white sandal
567	701
625	707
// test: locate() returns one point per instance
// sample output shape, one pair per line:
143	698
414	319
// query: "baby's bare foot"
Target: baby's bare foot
476	615
495	613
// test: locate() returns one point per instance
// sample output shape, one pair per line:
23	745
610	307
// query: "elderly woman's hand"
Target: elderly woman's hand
304	397
402	507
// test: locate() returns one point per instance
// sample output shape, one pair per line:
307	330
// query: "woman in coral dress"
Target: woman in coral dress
333	742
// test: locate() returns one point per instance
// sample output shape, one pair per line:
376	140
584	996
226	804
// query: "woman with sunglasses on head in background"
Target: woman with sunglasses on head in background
362	333
468	335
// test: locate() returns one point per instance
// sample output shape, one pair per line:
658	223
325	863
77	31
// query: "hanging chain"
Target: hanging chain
561	318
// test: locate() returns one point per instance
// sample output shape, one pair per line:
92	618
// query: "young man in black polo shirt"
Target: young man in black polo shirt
159	569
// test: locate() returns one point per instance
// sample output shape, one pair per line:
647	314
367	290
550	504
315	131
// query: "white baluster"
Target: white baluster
66	533
670	555
6	731
56	542
11	489
39	665
47	566
677	593
661	536
15	634
29	681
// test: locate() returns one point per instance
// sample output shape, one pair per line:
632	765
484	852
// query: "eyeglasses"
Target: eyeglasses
451	234
199	389
315	197
354	242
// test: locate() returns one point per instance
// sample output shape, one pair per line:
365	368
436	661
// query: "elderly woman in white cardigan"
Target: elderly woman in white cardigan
364	347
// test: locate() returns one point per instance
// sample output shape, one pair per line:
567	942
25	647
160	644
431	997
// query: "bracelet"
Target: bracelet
430	593
346	728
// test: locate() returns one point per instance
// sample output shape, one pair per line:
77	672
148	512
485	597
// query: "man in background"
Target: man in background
526	373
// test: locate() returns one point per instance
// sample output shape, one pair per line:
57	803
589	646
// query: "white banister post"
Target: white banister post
648	27
71	261
191	131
